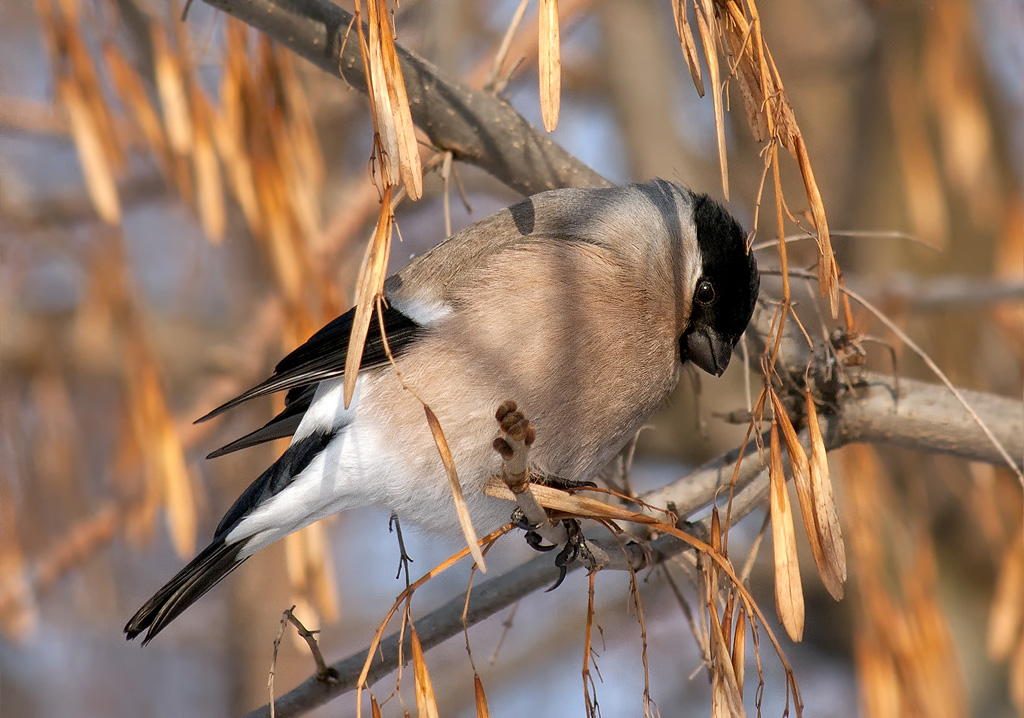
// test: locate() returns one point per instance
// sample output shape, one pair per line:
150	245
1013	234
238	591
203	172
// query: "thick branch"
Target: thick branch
475	126
926	418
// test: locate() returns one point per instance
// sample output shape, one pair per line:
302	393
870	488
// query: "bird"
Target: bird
580	304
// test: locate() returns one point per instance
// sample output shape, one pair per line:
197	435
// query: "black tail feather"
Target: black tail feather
203	573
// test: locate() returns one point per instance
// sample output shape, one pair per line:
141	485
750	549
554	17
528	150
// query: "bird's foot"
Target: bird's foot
575	548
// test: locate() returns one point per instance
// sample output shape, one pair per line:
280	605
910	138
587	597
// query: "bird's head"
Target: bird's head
725	292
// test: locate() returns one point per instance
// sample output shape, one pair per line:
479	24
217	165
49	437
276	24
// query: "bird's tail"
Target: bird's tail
203	573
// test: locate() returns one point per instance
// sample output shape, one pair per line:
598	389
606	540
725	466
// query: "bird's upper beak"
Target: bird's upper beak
707	349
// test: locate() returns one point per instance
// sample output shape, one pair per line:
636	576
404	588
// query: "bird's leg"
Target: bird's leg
517	435
404	559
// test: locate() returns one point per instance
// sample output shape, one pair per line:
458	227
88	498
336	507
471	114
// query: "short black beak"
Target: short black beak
706	349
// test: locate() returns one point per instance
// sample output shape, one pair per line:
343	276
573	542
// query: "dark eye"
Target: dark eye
705	292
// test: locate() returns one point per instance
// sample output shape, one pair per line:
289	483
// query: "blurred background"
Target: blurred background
181	203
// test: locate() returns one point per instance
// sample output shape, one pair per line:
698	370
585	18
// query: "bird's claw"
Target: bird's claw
570	485
575	548
535	540
533	537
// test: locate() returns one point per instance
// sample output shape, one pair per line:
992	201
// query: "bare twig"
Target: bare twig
490	85
323	671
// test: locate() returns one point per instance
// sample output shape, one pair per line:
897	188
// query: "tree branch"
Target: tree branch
475	126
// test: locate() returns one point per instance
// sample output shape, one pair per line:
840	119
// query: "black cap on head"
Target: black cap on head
726	291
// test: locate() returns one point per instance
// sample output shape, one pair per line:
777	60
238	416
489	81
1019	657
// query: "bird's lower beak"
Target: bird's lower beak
708	350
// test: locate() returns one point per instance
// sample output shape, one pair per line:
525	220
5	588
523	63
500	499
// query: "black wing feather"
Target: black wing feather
282	425
221	558
203	573
323	355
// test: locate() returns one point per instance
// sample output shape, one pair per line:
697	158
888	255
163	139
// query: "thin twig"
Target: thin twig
490	85
273	662
323	672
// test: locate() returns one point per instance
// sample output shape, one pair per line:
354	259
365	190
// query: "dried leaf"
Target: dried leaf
482	711
368	288
132	93
380	103
752	108
903	631
927	205
769	113
726	696
747	77
739	647
296	147
170	85
1006	619
426	703
81	69
716	544
209	188
285	257
303	195
716	529
830	534
877	678
230	131
789	597
730	605
828	271
408	156
99	175
802	481
705	13
465	522
549	63
957	108
301	127
831	577
374	708
689	46
167	459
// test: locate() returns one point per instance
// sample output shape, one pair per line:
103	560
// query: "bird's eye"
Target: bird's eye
705	293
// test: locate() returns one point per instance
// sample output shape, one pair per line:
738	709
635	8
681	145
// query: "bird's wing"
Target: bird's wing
321	357
284	424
